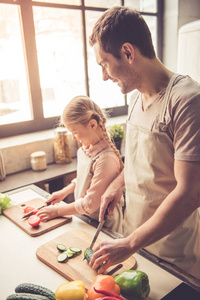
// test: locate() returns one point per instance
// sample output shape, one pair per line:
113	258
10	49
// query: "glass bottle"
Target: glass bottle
38	161
61	146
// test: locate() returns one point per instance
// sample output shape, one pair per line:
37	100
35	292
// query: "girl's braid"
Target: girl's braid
102	122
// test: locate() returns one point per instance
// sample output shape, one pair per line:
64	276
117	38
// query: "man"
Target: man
162	159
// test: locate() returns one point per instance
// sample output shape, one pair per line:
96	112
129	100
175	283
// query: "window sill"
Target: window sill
16	150
53	172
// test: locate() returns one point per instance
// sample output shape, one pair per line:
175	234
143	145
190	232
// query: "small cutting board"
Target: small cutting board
76	268
16	212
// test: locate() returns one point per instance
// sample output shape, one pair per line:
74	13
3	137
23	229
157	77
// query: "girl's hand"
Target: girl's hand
56	197
110	253
48	213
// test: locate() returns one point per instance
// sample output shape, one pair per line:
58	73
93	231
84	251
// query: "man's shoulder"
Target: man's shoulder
185	86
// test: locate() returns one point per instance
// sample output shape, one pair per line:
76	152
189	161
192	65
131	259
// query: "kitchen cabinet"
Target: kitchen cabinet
19	262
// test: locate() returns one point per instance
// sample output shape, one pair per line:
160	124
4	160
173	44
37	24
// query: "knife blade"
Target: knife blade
97	233
38	208
98	230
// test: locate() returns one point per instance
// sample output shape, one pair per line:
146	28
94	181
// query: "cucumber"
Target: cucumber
67	253
25	296
35	289
75	250
88	254
61	247
70	254
62	257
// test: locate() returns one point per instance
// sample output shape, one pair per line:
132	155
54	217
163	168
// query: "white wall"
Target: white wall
176	14
189	50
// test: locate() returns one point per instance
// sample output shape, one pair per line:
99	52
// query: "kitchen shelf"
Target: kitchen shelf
56	175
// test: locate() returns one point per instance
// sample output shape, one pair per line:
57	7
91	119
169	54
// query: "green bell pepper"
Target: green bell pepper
134	284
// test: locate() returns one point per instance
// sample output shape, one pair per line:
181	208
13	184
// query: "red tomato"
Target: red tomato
34	220
35	211
27	209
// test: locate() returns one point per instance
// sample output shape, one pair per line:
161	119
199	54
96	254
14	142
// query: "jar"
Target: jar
2	168
38	161
61	146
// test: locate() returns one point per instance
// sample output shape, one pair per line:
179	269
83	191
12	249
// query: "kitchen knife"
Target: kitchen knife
98	230
38	208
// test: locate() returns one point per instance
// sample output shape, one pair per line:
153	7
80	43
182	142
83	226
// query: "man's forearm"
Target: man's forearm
169	215
119	180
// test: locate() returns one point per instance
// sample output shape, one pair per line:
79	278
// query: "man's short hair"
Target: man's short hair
119	25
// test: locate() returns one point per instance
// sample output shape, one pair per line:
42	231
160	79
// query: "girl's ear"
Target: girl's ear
128	52
93	123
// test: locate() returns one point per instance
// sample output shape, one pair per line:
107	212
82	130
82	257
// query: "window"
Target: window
45	59
14	96
59	46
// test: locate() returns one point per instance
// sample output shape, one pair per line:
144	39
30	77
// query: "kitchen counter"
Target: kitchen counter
19	263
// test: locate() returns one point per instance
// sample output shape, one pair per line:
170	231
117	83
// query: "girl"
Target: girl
99	162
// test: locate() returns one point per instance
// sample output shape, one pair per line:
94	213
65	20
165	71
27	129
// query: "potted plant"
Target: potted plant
116	132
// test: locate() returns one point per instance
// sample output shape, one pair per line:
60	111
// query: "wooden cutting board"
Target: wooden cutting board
76	268
16	212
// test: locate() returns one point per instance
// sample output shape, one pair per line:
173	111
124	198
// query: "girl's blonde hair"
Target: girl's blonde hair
80	110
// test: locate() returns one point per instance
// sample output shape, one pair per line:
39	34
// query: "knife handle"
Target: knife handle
106	212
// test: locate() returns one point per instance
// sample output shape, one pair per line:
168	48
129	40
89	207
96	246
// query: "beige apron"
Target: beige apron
84	178
149	178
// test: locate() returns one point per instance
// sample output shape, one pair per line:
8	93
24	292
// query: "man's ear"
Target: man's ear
128	52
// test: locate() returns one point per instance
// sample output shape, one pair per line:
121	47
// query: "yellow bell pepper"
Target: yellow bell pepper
74	290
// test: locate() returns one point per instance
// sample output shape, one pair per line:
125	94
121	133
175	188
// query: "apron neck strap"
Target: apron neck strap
133	104
166	97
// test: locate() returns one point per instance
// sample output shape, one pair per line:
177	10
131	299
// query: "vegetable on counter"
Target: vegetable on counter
67	253
35	289
88	253
61	247
34	220
108	295
106	283
24	296
31	291
75	250
27	209
134	284
74	290
63	257
5	202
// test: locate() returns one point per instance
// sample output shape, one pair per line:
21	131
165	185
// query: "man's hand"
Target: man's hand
110	253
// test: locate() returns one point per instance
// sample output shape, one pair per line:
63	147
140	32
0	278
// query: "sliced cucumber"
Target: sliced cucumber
62	257
70	254
75	250
61	247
